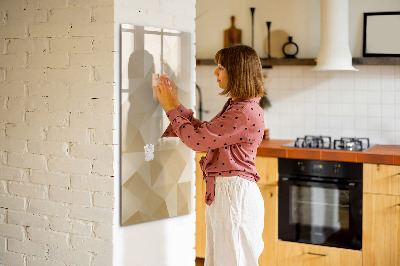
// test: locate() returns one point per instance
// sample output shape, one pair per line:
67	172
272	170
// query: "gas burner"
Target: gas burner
351	144
324	142
321	142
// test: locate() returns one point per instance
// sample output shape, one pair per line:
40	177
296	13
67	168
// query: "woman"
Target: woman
235	207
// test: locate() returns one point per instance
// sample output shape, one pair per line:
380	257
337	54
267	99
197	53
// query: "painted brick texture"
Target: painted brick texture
56	127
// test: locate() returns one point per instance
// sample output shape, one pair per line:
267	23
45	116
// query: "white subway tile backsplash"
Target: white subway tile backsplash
284	83
397	134
347	110
397	110
348	122
338	104
308	72
388	97
397	96
388	111
335	122
388	84
322	95
361	123
348	96
310	109
310	96
322	121
322	109
360	133
361	110
387	72
374	111
286	120
335	95
347	77
389	136
334	80
360	80
297	83
375	136
388	124
374	97
374	84
374	123
397	72
284	72
360	97
297	72
297	97
322	79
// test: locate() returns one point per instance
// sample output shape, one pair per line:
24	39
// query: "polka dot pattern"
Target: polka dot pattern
231	139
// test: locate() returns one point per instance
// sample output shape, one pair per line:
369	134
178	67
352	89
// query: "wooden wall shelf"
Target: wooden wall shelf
312	61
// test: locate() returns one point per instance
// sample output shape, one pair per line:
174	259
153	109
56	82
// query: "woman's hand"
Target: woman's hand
174	89
164	95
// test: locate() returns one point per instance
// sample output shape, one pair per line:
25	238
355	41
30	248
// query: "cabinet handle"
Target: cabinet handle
318	254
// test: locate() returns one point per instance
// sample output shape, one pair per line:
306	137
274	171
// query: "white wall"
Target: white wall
299	18
170	241
338	104
56	122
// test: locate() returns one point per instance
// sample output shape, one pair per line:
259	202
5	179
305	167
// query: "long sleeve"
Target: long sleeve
225	130
186	113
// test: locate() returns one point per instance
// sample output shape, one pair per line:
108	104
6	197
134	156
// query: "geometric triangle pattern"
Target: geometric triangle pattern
159	188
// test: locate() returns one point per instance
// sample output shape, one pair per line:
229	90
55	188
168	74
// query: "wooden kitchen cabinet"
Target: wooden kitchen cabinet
267	167
200	209
298	254
381	179
270	233
381	230
381	215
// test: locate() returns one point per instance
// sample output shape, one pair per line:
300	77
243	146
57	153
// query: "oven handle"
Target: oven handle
297	181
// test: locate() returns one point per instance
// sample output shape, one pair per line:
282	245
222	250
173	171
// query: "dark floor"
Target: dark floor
199	262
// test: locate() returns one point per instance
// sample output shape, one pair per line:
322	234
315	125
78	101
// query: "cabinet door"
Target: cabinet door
297	254
381	230
270	233
381	179
267	168
200	209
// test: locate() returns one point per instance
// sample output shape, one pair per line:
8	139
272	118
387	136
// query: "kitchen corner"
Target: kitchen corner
368	204
379	154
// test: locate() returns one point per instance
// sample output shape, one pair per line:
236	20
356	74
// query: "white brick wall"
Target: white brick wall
178	233
56	127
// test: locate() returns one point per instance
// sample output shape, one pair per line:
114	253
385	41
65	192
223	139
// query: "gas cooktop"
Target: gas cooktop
325	142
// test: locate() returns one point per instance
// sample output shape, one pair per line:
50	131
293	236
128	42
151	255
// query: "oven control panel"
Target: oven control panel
330	169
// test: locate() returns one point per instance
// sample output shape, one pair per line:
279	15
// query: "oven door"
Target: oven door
321	212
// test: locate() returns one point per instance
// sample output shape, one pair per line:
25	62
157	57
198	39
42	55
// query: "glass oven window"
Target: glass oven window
319	207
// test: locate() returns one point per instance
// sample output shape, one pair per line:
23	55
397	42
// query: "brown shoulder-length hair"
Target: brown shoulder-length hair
245	78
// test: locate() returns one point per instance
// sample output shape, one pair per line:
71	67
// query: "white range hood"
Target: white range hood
334	51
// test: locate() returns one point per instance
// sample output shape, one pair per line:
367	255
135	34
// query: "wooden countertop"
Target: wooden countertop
379	154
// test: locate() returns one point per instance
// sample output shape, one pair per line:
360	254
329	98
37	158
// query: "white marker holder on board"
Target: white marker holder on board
148	152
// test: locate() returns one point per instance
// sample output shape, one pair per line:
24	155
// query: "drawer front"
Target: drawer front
381	179
296	254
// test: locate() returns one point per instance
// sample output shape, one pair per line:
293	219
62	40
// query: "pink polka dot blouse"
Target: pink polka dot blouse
231	139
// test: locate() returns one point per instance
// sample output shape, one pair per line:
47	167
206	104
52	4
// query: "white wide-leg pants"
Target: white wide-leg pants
234	223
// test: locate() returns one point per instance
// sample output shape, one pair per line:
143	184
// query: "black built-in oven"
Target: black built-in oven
320	202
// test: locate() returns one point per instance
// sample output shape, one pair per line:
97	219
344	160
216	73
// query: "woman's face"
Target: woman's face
222	76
